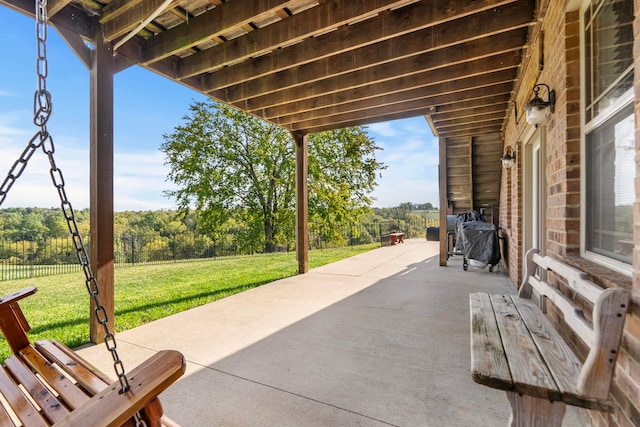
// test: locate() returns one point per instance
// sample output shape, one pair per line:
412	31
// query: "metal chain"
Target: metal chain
42	110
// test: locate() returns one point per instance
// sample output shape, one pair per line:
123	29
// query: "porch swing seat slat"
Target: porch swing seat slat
48	384
88	377
19	404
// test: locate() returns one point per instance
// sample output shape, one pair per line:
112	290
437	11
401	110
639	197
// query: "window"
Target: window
610	130
609	53
611	165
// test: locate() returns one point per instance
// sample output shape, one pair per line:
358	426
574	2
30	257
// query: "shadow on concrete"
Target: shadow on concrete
394	353
378	339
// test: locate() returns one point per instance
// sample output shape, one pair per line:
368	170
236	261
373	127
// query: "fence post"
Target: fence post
133	250
31	267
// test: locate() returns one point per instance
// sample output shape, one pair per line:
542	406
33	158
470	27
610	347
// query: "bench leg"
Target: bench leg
527	411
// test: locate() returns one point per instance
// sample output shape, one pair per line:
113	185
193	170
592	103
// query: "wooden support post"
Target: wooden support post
302	198
101	182
442	176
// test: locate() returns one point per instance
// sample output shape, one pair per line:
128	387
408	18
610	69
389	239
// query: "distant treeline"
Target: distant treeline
36	241
44	223
33	224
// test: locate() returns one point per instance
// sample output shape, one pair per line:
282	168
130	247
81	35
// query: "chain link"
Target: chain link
42	108
42	99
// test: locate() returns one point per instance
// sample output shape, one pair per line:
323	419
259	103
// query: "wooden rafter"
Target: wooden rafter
315	65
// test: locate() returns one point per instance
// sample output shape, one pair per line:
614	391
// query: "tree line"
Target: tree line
33	224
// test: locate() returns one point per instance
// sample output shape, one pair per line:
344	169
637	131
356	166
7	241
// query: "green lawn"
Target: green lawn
60	308
433	215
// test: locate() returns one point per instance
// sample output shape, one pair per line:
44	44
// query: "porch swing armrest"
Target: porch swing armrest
13	324
17	296
147	381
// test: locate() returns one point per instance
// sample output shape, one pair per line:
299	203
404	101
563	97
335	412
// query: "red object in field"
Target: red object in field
396	238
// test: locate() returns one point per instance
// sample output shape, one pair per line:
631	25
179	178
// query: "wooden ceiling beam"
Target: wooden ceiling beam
328	15
495	108
77	45
415	108
120	24
495	121
388	93
470	132
465	121
360	45
411	109
469	108
117	8
55	6
380	112
206	27
428	101
70	17
328	76
374	84
362	122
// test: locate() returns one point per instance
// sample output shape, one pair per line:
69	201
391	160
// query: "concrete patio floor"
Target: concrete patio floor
378	339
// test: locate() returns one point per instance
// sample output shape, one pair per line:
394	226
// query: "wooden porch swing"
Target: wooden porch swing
46	383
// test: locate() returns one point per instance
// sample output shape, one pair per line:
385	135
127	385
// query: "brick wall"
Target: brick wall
627	387
558	65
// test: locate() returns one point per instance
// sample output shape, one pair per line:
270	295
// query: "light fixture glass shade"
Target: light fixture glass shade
509	158
507	162
536	114
536	109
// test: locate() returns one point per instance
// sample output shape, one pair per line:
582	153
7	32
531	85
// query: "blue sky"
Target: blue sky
146	107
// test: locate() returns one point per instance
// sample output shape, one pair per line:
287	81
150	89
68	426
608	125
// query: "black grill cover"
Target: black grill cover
479	241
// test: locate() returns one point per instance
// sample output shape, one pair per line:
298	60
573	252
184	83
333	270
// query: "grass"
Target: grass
60	308
432	215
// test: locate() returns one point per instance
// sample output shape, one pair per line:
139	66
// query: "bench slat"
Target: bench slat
51	407
67	390
5	419
573	317
576	279
86	375
488	361
559	358
19	403
529	372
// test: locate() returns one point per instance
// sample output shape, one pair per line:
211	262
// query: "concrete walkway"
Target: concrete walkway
378	339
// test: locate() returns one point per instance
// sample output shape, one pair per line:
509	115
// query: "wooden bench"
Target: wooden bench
47	383
515	348
396	238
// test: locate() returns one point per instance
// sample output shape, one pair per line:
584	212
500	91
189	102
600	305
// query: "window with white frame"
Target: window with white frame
609	144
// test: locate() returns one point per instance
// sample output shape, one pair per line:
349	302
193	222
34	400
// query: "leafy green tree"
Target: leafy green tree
223	159
342	174
231	165
32	227
56	224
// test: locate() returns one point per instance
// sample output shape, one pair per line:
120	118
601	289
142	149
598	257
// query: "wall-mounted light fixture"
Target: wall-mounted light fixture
509	157
536	109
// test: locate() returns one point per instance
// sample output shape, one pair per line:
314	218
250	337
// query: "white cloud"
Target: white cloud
410	153
34	188
140	181
383	129
396	191
139	178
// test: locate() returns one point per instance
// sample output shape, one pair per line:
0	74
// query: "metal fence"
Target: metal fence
35	258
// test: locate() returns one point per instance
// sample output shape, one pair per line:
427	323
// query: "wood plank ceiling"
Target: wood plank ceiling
314	65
